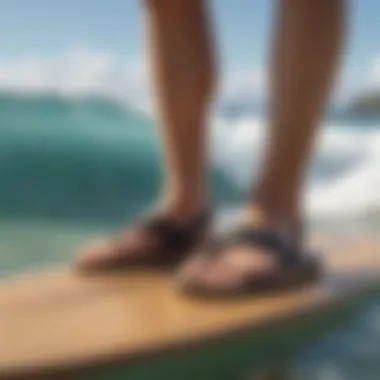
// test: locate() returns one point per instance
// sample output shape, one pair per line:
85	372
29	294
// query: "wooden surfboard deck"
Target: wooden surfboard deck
60	323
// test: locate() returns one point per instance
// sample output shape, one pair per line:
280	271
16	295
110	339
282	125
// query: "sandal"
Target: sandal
161	242
295	267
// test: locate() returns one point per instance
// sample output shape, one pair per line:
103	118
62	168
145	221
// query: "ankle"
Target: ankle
265	216
182	207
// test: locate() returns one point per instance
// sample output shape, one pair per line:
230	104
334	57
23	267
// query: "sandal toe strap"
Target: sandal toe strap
287	251
173	235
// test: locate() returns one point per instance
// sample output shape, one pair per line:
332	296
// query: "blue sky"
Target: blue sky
46	28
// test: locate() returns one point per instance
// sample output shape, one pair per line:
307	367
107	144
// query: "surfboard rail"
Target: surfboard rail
61	323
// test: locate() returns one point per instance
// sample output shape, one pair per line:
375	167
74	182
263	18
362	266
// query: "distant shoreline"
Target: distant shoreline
366	103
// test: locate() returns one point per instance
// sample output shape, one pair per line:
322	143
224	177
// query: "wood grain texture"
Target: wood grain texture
59	318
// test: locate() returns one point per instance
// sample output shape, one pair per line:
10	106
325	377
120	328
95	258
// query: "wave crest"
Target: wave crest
345	174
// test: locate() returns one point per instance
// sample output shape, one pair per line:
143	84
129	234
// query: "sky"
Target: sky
98	45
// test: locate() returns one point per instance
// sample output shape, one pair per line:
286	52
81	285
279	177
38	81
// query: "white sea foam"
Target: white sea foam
345	181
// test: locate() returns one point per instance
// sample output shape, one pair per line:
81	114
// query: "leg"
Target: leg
307	48
181	62
183	75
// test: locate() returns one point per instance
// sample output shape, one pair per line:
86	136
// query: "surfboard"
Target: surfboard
135	325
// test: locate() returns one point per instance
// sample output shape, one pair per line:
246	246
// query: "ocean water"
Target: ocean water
75	167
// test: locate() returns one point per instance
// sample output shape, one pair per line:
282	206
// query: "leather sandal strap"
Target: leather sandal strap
174	235
288	252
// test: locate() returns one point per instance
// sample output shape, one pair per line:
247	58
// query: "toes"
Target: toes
94	254
201	274
230	272
211	281
248	262
191	269
105	254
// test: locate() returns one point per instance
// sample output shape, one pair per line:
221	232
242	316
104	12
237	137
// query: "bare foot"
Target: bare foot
253	256
160	240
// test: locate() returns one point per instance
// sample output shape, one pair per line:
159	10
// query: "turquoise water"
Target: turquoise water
34	244
81	159
72	168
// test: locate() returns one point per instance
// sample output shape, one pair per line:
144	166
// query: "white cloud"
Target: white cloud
77	71
80	71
